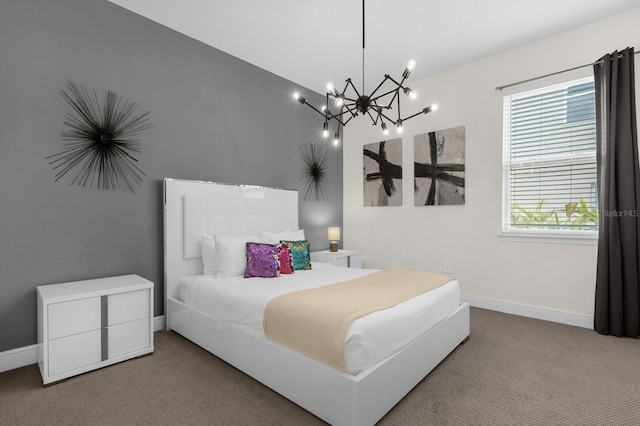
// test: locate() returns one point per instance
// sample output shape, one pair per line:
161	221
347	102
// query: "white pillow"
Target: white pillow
231	254
276	237
209	257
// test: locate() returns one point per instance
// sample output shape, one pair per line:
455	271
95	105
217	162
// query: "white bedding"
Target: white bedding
241	301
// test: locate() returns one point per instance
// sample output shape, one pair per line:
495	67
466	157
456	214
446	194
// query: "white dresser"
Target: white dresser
348	258
84	325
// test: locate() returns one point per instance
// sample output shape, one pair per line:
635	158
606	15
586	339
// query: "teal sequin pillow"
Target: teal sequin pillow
299	254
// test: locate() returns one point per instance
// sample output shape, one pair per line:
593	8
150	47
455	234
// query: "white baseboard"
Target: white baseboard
159	323
27	355
19	357
530	311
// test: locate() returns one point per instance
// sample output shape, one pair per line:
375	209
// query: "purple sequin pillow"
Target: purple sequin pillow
262	260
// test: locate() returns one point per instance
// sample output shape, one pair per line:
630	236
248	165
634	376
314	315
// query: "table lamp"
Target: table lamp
333	236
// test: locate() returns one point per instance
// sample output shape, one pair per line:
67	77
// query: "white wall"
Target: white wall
554	277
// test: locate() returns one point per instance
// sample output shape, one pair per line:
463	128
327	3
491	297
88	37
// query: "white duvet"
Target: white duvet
370	339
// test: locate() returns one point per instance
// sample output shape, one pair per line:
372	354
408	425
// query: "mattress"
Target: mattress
372	338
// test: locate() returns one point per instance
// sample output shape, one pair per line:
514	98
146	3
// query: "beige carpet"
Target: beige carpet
513	371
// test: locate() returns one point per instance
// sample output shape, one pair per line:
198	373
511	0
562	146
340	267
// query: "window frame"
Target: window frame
509	233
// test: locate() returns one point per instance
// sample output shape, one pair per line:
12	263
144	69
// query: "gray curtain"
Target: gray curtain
617	299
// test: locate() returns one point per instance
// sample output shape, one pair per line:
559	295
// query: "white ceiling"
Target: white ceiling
313	42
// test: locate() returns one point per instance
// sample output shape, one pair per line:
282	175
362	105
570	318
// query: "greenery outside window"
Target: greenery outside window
549	162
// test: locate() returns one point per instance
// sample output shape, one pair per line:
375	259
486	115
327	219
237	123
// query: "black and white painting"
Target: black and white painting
439	167
382	166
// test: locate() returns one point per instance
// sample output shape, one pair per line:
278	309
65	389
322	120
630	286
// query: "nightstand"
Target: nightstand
85	325
347	258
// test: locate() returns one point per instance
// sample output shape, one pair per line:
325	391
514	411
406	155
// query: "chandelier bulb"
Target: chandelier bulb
410	67
385	130
336	139
399	127
299	97
339	101
410	92
330	87
325	130
430	108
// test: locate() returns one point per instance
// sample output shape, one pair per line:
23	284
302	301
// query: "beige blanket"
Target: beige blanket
315	322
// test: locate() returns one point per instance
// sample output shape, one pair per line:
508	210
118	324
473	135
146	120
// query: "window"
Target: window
550	160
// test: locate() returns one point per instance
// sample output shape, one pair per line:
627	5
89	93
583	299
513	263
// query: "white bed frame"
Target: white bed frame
193	208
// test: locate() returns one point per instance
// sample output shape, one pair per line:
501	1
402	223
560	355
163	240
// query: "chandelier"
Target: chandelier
376	105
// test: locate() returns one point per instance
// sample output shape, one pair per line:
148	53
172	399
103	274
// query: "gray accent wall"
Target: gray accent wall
214	118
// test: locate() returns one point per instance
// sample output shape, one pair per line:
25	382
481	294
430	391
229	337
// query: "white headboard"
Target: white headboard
194	208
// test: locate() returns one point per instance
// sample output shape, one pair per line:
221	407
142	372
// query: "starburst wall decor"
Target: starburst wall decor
100	139
315	162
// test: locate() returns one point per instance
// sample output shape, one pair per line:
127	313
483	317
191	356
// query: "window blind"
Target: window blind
550	159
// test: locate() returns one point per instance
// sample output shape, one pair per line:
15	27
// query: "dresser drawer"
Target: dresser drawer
128	337
342	261
72	352
355	261
74	317
128	306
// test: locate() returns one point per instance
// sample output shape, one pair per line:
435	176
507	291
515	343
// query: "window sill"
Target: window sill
582	238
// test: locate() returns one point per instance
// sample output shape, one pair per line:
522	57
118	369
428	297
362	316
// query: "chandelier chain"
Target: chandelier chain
363	92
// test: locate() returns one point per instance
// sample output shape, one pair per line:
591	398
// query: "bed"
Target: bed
359	396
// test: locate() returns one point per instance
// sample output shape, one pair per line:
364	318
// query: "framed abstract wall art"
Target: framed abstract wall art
439	167
382	168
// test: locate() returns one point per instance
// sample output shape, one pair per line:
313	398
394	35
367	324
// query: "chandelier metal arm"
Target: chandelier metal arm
389	119
394	91
384	80
348	120
348	107
338	118
388	77
418	113
347	82
350	83
374	120
304	101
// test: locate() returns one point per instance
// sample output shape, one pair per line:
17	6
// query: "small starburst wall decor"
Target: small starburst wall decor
100	140
314	175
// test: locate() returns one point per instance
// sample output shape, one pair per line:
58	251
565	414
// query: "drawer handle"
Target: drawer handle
104	337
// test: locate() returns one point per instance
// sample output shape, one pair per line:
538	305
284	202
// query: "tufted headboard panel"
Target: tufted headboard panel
194	208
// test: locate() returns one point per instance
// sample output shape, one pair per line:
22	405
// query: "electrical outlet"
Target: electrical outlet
447	267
